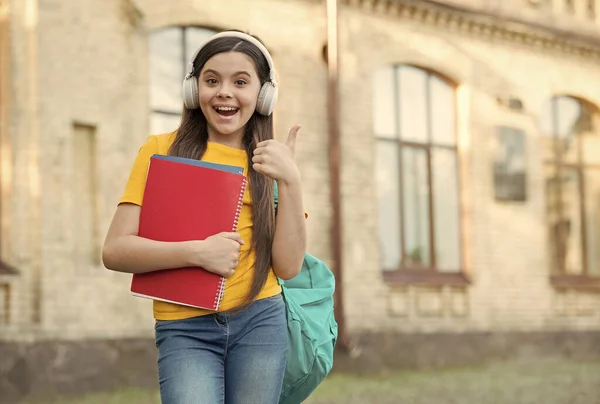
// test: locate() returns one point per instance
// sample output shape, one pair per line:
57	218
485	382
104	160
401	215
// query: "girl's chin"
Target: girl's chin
226	130
227	126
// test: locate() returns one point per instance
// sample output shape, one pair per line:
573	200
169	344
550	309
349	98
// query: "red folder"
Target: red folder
186	202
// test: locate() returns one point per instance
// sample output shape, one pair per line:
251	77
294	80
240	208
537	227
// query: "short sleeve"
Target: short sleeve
134	190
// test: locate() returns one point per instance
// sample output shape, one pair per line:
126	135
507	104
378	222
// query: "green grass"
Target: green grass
125	396
548	382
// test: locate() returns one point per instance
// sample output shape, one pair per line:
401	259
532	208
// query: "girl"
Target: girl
237	355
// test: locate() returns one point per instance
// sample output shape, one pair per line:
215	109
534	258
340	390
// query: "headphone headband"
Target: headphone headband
267	96
241	35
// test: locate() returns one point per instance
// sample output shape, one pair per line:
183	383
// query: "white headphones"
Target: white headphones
267	97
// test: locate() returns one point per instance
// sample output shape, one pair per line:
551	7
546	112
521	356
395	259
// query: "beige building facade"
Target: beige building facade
469	196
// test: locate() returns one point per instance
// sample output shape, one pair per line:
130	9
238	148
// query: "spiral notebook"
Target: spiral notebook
187	199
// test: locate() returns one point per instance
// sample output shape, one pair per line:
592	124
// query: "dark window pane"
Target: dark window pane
384	117
388	194
570	240
592	221
556	226
412	88
415	198
509	164
446	209
442	114
573	127
166	70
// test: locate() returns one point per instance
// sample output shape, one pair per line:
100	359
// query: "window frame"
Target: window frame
184	65
562	279
426	274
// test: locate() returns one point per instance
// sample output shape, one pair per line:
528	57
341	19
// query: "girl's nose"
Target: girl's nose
224	92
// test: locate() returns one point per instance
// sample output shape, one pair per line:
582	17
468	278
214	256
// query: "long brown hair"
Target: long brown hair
191	142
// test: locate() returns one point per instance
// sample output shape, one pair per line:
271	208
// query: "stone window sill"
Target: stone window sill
580	282
6	269
426	277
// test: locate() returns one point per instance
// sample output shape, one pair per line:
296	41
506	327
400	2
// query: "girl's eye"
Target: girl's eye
240	82
211	81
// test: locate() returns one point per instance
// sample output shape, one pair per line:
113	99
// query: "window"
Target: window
510	178
571	150
417	172
170	52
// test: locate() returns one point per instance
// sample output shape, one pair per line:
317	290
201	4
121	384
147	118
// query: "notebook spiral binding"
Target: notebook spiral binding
219	296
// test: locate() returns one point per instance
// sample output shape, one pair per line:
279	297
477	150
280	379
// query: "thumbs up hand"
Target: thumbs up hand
276	159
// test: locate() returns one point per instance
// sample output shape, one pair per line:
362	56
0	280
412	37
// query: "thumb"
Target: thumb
233	236
291	139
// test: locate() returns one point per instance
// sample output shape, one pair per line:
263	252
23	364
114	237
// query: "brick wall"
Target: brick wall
85	66
85	73
505	244
74	65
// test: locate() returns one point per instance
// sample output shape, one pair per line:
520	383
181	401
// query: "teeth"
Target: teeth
226	109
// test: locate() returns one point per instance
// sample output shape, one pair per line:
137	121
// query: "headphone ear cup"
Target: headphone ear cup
260	103
190	93
267	98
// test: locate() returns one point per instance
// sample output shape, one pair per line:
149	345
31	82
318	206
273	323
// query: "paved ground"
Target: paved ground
548	382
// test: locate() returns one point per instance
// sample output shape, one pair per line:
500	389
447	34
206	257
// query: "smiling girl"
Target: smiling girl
236	355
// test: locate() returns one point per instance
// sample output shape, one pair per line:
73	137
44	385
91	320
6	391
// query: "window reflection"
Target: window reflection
384	119
415	199
194	38
164	123
166	69
412	87
570	237
567	112
572	185
388	184
443	125
553	217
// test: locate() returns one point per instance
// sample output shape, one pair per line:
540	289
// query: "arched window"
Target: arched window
571	148
417	170
171	49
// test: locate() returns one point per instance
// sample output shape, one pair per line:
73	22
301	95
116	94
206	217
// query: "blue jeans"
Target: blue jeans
224	359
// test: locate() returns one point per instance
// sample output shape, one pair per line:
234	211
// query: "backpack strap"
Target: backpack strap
276	201
275	195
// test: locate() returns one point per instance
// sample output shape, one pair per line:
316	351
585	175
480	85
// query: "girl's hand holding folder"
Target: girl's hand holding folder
218	254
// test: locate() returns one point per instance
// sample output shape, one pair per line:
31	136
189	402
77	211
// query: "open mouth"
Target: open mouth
226	111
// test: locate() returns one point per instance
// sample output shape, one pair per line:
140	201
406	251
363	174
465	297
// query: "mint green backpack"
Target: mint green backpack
312	329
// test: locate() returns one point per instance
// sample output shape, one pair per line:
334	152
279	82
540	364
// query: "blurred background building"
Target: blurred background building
450	154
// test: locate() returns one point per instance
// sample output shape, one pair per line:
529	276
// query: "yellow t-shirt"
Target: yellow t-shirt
238	285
